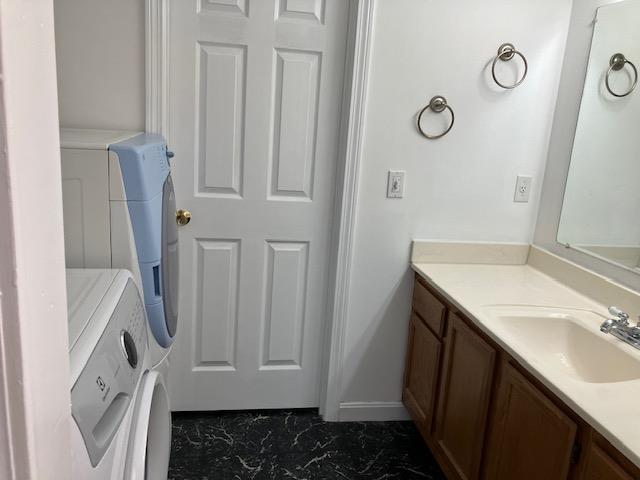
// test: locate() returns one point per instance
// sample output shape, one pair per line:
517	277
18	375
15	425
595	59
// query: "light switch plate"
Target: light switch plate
395	184
523	189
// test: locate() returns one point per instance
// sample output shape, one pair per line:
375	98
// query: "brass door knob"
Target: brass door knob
183	217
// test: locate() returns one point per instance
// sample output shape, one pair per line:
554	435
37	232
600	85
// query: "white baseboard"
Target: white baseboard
373	412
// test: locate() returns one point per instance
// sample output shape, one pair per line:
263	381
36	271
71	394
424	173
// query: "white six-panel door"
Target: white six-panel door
255	105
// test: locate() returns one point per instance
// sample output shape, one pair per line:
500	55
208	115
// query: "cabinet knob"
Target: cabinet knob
183	217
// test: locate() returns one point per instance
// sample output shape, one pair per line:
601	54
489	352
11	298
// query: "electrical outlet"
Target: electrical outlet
523	189
395	184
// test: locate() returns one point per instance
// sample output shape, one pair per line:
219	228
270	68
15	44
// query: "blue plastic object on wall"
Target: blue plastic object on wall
146	172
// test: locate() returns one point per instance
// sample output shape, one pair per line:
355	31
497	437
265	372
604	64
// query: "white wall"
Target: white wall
460	187
602	198
34	363
101	63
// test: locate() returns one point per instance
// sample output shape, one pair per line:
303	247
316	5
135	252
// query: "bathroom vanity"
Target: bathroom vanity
509	377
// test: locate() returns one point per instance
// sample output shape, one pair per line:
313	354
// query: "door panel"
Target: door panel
286	285
218	270
221	115
295	113
311	11
255	103
229	7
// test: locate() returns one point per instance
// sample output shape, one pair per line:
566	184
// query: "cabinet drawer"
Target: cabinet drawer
430	309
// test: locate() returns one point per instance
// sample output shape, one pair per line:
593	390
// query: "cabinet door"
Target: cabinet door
532	439
421	376
465	394
599	465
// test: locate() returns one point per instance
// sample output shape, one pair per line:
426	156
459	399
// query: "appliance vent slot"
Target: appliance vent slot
156	280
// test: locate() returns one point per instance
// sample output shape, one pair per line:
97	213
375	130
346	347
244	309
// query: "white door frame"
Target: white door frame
356	81
35	404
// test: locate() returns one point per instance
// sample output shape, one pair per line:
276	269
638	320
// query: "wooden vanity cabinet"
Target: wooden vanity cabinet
484	416
601	461
465	395
421	375
531	438
424	351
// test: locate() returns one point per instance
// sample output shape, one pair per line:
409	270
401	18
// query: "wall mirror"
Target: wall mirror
601	209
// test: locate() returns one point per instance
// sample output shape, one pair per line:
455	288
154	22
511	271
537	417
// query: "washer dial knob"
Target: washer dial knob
129	348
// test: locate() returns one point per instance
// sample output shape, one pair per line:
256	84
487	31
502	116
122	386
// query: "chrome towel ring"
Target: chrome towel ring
617	63
437	104
506	52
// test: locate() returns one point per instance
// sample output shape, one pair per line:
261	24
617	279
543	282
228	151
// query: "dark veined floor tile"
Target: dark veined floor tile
295	445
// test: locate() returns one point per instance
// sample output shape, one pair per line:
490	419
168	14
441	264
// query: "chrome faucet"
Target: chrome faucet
618	326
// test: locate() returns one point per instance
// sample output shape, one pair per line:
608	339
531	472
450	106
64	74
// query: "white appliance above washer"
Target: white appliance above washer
119	211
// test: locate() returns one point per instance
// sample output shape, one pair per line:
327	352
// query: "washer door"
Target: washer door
170	258
150	439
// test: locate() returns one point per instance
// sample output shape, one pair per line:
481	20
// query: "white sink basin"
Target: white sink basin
567	341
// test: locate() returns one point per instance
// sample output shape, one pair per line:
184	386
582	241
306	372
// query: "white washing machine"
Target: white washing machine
122	422
119	212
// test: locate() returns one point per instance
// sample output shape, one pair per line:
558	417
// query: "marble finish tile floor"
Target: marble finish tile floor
295	445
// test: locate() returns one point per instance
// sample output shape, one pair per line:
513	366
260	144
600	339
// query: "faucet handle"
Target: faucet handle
607	326
621	316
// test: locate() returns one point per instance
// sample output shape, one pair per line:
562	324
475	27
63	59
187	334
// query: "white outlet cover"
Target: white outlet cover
523	189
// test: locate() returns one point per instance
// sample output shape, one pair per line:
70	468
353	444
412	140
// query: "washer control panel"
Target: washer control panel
101	396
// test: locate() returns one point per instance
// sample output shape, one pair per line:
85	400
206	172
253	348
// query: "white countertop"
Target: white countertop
613	409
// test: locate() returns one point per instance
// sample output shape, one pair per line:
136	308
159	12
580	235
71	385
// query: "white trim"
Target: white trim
157	66
35	416
373	412
330	401
157	74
